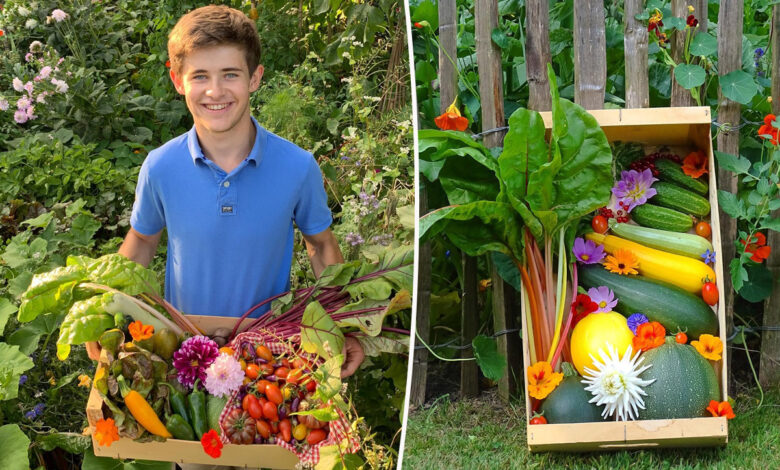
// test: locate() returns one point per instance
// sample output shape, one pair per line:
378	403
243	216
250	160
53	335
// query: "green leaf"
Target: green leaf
319	333
465	180
7	308
87	320
114	270
70	442
328	377
424	72
730	204
82	230
769	223
507	269
738	86
376	289
689	76
426	11
431	169
673	22
758	285
704	44
40	221
371	323
524	149
91	462
385	343
738	273
13	447
12	365
395	257
734	163
49	292
492	364
337	274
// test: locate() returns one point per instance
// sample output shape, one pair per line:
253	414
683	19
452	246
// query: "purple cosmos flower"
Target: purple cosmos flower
709	257
603	297
635	320
634	187
588	252
192	359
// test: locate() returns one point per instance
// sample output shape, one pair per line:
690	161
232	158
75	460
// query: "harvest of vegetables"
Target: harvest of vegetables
277	382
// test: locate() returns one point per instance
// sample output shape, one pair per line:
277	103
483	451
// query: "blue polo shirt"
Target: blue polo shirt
230	236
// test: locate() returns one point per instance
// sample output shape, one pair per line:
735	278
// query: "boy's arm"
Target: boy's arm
323	250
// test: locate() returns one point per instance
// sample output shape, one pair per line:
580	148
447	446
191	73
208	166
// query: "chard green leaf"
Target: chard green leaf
50	292
319	333
337	274
114	270
395	257
401	278
86	321
12	365
371	323
385	343
13	447
376	289
524	147
465	180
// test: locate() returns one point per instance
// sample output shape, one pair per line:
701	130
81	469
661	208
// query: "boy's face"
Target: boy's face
216	85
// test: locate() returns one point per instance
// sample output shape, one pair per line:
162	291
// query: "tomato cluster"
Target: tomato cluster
274	388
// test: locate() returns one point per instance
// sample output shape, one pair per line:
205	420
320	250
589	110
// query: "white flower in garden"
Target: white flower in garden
45	72
3	105
41	98
58	15
18	85
31	23
36	46
23	11
615	382
62	87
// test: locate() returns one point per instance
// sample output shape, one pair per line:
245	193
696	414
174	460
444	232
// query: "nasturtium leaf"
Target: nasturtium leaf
734	163
426	11
492	364
738	86
674	22
758	285
385	343
689	75
704	44
12	365
319	333
14	446
424	72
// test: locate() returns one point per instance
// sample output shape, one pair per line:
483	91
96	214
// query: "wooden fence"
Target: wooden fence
589	91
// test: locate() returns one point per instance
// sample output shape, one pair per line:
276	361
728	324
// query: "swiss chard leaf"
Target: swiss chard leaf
371	322
14	446
384	343
114	270
319	333
86	321
50	292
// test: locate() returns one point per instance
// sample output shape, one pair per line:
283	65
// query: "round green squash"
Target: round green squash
685	382
568	403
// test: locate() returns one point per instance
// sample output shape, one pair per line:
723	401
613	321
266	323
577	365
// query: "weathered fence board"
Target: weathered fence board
537	53
680	96
635	50
590	54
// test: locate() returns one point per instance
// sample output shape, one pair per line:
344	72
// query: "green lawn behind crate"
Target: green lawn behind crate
484	433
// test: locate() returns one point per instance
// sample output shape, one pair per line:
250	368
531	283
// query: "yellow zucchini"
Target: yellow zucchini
681	271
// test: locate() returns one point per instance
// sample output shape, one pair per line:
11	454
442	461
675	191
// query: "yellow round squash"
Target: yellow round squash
593	333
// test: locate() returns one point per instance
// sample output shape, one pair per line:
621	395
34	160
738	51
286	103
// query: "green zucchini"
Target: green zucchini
673	173
686	244
675	197
649	215
659	301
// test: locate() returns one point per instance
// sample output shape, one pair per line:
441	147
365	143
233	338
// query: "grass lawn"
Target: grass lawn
484	433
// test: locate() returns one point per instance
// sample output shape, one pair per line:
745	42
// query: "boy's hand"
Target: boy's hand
353	356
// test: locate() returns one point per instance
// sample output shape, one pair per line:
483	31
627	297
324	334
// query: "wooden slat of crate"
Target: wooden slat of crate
174	450
689	126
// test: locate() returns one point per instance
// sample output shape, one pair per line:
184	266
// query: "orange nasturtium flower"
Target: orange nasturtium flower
106	432
768	130
451	120
721	409
757	248
709	346
649	335
211	443
542	380
623	262
695	164
139	331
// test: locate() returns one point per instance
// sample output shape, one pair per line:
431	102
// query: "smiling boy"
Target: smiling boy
228	191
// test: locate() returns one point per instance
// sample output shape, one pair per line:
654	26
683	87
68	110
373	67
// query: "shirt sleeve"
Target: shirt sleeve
312	214
148	216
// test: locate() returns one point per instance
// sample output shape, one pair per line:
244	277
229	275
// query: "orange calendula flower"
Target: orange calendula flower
649	335
139	331
695	164
211	443
623	262
542	380
84	381
721	409
106	432
709	346
451	120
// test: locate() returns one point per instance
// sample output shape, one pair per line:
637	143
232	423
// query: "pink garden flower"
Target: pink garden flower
58	15
192	359
45	72
18	85
223	376
587	252
20	116
23	103
3	105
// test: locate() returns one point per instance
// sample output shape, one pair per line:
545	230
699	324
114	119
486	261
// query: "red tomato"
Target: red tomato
266	369
248	399
275	427
703	229
285	362
270	412
263	428
681	338
315	436
281	372
252	371
255	410
600	224
294	376
538	420
263	352
274	394
300	363
709	292
311	386
285	426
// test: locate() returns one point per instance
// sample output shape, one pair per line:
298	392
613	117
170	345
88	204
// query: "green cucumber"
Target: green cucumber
649	215
673	173
675	197
665	303
686	244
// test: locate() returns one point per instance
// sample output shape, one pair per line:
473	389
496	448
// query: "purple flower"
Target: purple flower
635	320
35	412
22	380
29	87
354	239
709	256
23	103
20	116
604	297
192	359
28	57
46	71
634	187
588	252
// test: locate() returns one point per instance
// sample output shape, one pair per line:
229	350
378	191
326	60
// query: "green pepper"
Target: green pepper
179	427
197	402
178	402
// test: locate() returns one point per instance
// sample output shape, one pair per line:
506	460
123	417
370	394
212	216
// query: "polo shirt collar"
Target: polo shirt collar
256	155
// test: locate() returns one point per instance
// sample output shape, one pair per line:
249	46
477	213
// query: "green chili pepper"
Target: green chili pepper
179	427
197	401
178	402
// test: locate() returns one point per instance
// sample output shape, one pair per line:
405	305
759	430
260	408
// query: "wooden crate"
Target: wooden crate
174	450
684	128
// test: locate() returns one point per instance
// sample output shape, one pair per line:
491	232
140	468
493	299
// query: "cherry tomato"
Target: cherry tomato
294	376
227	350
254	409
248	399
600	224
300	431
703	229
261	384
538	419
274	394
281	372
285	426
263	352
266	369
263	428
311	386
274	427
285	362
252	371
315	436
709	292
300	363
681	338
270	412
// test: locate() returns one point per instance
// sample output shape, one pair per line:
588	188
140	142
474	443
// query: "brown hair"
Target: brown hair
213	25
